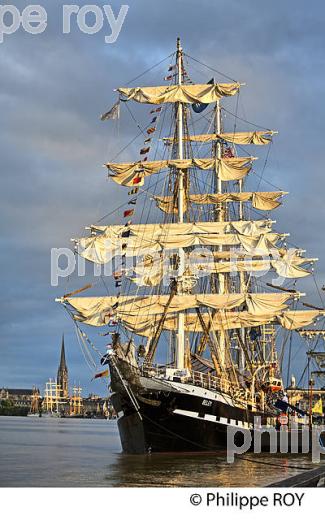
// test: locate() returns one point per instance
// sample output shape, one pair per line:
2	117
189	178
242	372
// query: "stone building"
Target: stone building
20	397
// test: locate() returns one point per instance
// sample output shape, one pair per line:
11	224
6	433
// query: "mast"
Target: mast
242	286
221	276
180	348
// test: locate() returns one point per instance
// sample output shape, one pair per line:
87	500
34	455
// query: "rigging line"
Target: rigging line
104	283
265	180
151	202
91	367
246	121
143	130
83	334
289	360
306	367
236	117
151	68
318	291
128	282
264	166
135	120
143	191
208	67
126	146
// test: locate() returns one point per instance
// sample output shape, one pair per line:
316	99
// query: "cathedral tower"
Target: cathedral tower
62	376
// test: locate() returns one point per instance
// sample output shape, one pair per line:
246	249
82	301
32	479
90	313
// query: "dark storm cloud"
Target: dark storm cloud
53	88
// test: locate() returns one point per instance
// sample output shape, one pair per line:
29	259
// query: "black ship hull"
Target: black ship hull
158	416
148	432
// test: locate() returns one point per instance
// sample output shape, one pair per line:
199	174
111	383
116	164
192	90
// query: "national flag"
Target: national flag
132	201
128	213
143	151
318	407
101	374
137	180
105	359
153	120
151	130
113	113
133	192
199	107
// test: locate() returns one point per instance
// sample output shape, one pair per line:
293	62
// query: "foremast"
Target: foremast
221	215
180	346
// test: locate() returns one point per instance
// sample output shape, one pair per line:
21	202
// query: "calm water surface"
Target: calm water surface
87	452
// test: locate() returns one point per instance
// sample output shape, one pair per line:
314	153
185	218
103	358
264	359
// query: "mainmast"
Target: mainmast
180	347
221	276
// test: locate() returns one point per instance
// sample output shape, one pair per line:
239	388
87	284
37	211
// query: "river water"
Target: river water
87	452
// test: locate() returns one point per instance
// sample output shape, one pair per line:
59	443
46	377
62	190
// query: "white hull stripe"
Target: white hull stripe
185	388
212	418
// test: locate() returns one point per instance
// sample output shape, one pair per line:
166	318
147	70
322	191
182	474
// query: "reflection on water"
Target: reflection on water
87	452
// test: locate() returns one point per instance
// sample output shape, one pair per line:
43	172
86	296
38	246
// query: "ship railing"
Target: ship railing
210	382
204	380
153	370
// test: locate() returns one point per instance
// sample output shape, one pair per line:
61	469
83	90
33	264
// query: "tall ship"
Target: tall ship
203	296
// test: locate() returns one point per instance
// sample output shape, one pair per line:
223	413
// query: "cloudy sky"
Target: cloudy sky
52	145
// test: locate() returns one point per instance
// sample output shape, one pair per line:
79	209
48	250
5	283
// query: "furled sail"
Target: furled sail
100	250
255	236
205	93
229	169
151	272
263	200
222	320
98	311
245	227
258	138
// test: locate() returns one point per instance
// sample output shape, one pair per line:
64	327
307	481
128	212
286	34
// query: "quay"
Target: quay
310	478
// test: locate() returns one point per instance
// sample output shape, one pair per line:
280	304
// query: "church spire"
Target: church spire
63	363
62	376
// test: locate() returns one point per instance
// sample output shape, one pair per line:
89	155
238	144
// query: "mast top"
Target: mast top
179	47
